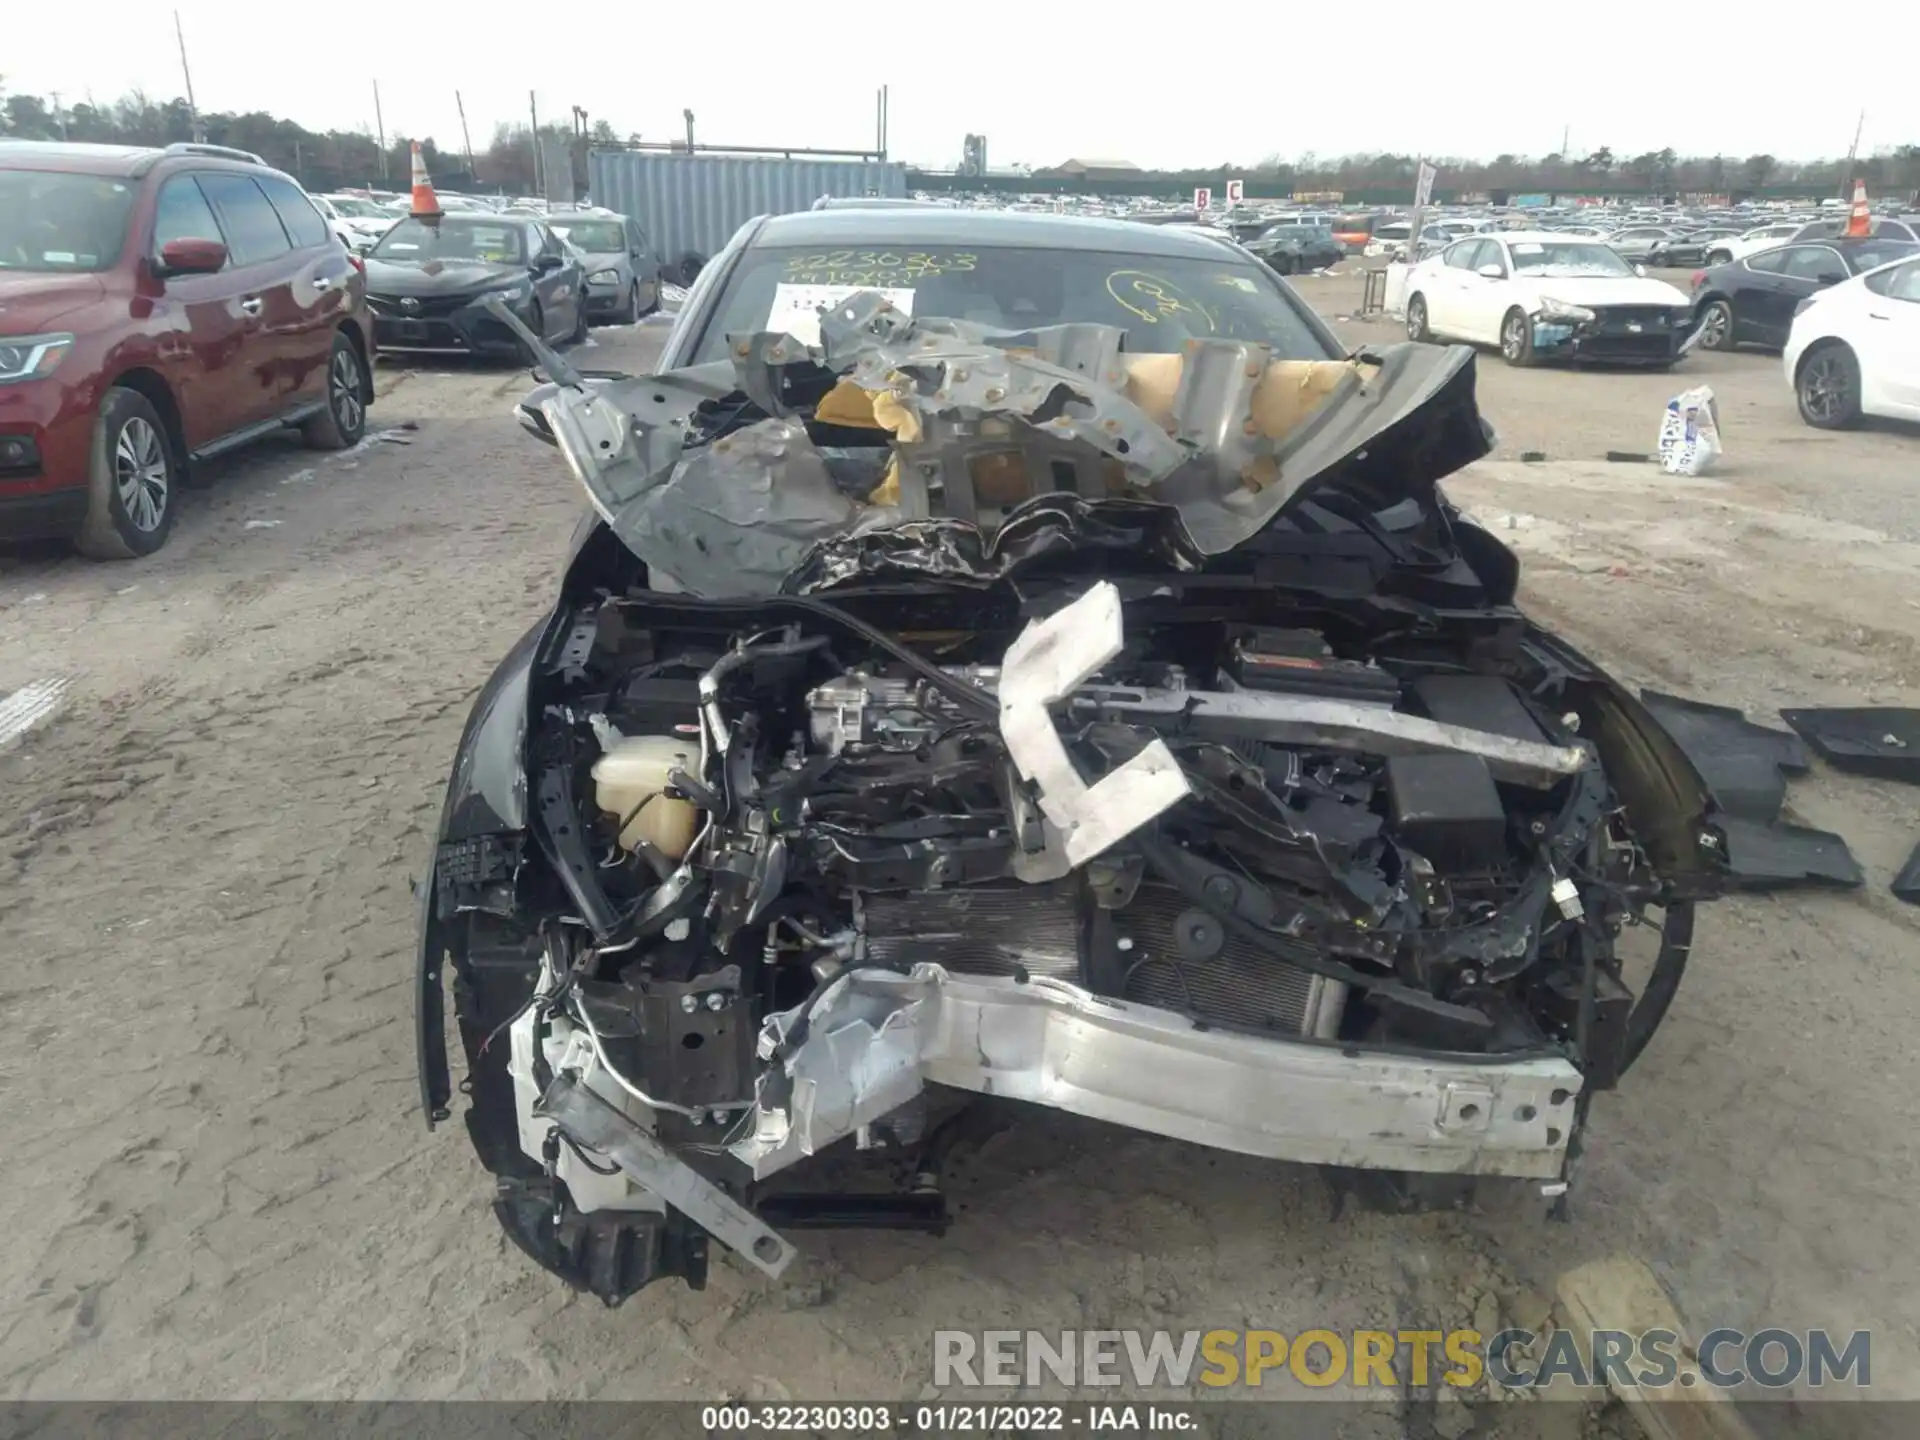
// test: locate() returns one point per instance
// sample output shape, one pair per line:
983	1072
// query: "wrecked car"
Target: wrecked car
1027	657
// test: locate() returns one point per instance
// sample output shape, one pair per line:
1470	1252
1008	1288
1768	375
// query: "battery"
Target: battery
1446	808
1299	662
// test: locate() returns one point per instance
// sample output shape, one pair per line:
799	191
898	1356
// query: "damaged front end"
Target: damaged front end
938	713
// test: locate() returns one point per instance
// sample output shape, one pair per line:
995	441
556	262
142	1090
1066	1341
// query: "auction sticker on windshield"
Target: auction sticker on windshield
796	308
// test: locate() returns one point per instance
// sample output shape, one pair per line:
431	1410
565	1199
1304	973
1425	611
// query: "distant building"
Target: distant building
1084	169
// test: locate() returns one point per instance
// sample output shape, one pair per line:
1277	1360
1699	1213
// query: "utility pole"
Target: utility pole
465	138
59	113
1853	155
689	119
193	110
539	165
380	130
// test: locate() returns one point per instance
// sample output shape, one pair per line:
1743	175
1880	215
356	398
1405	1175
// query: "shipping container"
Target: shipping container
692	204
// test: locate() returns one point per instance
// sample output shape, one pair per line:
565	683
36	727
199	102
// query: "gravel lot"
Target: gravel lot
207	926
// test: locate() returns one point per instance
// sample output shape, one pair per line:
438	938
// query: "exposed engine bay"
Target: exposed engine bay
1327	872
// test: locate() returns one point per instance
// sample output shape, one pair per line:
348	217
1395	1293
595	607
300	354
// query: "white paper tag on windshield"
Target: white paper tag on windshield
796	308
1528	247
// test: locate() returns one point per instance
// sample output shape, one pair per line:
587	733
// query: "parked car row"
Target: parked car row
159	307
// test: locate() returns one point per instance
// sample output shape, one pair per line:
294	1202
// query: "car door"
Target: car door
203	331
646	265
1752	289
261	253
1445	291
320	277
1889	342
1489	297
556	281
1805	270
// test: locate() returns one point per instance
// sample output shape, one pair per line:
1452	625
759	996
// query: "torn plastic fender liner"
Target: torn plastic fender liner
1043	666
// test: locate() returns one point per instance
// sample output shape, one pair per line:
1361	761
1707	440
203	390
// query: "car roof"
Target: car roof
1000	228
120	160
129	162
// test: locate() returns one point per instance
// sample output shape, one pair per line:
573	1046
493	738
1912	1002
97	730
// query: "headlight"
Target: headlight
512	294
31	357
604	277
1560	310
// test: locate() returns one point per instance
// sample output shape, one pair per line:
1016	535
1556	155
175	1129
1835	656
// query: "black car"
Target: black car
429	278
1751	301
1879	227
1297	249
746	849
1689	248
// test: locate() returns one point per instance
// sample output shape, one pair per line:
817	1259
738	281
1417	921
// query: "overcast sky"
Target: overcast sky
1197	82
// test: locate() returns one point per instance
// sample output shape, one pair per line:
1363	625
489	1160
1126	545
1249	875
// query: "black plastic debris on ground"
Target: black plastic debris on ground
1773	855
1878	740
1745	766
1906	885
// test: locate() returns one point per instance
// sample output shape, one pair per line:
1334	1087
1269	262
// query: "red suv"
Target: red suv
158	307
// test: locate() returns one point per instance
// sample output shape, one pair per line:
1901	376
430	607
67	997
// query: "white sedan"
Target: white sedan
1761	237
1854	348
1543	296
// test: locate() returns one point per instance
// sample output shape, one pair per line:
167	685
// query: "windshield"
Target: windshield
1866	254
355	208
416	238
596	236
54	221
1566	258
1298	232
1162	301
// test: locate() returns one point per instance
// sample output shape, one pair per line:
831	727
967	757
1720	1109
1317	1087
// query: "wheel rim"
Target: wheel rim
1417	317
1714	327
1825	388
343	390
140	475
1514	337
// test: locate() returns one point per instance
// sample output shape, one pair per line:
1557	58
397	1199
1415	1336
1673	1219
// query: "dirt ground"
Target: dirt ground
207	928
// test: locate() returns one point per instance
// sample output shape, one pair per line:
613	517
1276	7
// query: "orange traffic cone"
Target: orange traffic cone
1859	218
425	202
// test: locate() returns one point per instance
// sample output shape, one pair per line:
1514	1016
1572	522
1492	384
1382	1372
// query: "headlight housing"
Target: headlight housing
514	294
1552	309
32	357
604	277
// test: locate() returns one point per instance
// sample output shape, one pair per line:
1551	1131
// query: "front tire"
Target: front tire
1716	325
631	315
132	479
1828	387
579	334
1417	329
342	424
1516	338
1719	257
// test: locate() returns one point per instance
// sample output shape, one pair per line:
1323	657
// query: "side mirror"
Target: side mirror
546	264
1832	277
1492	272
191	257
1640	270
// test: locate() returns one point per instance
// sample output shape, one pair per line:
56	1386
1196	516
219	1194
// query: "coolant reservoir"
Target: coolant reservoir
627	781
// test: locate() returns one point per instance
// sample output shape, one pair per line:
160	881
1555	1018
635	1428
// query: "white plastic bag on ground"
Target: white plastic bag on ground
1690	433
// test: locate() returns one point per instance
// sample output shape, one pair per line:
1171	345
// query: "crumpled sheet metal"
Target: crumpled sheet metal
1219	438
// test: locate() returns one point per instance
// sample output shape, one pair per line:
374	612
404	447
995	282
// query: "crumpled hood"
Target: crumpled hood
987	449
